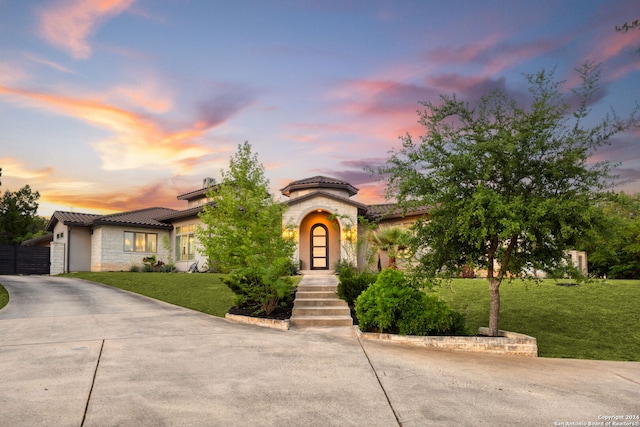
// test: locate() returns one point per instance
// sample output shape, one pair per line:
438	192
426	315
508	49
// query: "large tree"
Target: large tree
18	215
614	246
243	233
510	188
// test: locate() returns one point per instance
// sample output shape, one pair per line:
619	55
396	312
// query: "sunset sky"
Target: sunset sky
114	105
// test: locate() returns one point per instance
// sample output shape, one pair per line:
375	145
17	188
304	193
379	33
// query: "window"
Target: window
185	243
140	242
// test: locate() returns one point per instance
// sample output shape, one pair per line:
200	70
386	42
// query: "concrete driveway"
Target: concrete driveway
76	353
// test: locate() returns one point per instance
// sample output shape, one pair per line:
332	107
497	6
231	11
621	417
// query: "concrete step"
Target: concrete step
317	272
315	294
321	311
319	302
321	321
317	288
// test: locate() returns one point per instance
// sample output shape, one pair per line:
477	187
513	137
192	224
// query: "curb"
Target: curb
508	343
258	321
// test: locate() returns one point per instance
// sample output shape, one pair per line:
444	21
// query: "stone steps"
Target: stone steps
321	321
318	305
321	311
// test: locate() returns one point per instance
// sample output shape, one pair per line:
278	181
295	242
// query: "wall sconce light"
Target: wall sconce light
290	233
349	234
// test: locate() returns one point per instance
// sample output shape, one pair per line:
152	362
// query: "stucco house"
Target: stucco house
322	218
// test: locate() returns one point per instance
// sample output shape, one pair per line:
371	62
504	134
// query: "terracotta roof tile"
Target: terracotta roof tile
75	218
71	218
391	210
300	199
143	217
319	181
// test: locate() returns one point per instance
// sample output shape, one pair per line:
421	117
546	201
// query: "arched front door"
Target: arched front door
319	247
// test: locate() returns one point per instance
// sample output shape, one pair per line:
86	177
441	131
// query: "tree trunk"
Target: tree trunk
494	313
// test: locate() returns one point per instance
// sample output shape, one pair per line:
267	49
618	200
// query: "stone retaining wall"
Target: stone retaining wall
267	323
508	343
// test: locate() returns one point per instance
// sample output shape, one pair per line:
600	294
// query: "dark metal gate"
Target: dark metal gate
24	259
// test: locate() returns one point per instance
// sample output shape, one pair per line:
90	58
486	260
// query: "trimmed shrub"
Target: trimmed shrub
260	290
392	305
352	284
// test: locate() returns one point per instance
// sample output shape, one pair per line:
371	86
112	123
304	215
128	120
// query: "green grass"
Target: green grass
590	321
201	292
4	297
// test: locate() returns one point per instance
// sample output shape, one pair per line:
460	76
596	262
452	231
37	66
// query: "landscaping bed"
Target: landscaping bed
279	313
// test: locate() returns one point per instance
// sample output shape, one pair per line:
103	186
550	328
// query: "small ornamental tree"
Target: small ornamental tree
510	188
242	235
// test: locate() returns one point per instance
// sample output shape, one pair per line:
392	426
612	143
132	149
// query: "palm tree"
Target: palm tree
390	240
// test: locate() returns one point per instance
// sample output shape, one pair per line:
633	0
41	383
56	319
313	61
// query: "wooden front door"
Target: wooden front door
319	247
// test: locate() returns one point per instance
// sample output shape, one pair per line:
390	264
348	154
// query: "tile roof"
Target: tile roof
391	210
142	217
319	181
47	238
75	218
327	195
71	218
190	212
195	194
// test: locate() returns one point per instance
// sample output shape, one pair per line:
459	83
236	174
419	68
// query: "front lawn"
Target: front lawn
591	321
4	297
202	292
599	320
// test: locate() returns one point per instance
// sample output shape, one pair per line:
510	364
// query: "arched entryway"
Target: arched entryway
319	240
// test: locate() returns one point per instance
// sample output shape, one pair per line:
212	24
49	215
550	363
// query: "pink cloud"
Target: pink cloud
137	140
68	24
51	64
111	200
16	169
494	54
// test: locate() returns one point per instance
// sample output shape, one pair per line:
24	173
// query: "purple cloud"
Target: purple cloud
220	107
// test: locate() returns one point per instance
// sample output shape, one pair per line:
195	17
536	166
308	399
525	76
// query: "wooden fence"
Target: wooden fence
24	259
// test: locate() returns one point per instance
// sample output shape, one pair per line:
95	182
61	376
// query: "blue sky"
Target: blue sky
121	104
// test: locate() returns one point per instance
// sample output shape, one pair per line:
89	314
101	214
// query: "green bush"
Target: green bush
352	284
343	266
392	305
261	289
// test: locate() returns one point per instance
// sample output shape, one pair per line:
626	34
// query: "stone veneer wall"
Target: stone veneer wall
107	248
57	258
508	343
